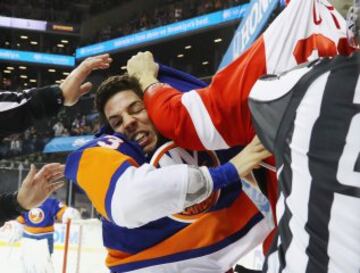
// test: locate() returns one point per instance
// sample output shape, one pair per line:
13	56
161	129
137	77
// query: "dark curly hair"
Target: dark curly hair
112	86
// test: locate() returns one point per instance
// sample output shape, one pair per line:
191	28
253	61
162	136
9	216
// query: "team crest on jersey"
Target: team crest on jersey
36	215
170	154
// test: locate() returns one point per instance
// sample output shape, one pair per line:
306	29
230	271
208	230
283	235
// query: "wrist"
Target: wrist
58	94
224	175
147	81
17	204
63	96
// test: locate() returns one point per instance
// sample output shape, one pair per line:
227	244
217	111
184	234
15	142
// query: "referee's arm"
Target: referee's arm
18	110
9	207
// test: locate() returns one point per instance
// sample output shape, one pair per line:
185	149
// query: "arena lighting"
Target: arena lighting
33	80
25	84
10	68
188	47
24	37
23	76
66	73
63	28
22	67
58	81
205	62
123	67
218	40
7	43
180	55
33	42
51	70
20	23
7	71
18	45
37	57
65	41
60	45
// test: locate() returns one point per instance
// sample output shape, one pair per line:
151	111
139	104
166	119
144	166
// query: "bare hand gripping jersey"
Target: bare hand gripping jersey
217	116
145	226
310	119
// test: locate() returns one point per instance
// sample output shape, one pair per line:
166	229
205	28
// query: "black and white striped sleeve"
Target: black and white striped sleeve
268	101
18	110
9	207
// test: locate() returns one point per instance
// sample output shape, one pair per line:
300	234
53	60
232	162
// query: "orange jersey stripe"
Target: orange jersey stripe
224	222
39	230
20	219
116	255
60	213
95	180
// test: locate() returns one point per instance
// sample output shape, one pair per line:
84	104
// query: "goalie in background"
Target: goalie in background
36	228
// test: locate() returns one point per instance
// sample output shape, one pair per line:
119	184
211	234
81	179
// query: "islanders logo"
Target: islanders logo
36	215
170	154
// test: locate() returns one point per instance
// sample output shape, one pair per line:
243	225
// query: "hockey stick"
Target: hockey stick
66	246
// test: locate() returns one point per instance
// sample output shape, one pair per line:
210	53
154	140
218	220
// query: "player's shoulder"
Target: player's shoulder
52	200
112	141
109	145
108	141
48	203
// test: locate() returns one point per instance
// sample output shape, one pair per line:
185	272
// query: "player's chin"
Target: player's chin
150	146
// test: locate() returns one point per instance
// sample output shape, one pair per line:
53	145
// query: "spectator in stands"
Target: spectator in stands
84	127
19	110
172	12
15	145
65	132
58	129
75	127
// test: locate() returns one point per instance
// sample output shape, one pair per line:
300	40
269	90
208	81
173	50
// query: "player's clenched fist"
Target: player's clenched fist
250	157
143	67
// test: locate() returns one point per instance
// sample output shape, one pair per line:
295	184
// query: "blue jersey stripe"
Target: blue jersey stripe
139	239
40	236
72	165
191	253
112	185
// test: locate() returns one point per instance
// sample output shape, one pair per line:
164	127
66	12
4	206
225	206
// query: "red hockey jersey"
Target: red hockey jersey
218	116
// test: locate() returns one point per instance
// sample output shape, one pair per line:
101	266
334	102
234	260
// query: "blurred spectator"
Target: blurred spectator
168	12
15	145
58	129
75	127
66	132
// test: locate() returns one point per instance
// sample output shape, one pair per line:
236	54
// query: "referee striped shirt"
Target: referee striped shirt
18	110
310	119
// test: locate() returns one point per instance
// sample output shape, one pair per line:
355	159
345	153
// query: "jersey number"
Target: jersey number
110	142
318	42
